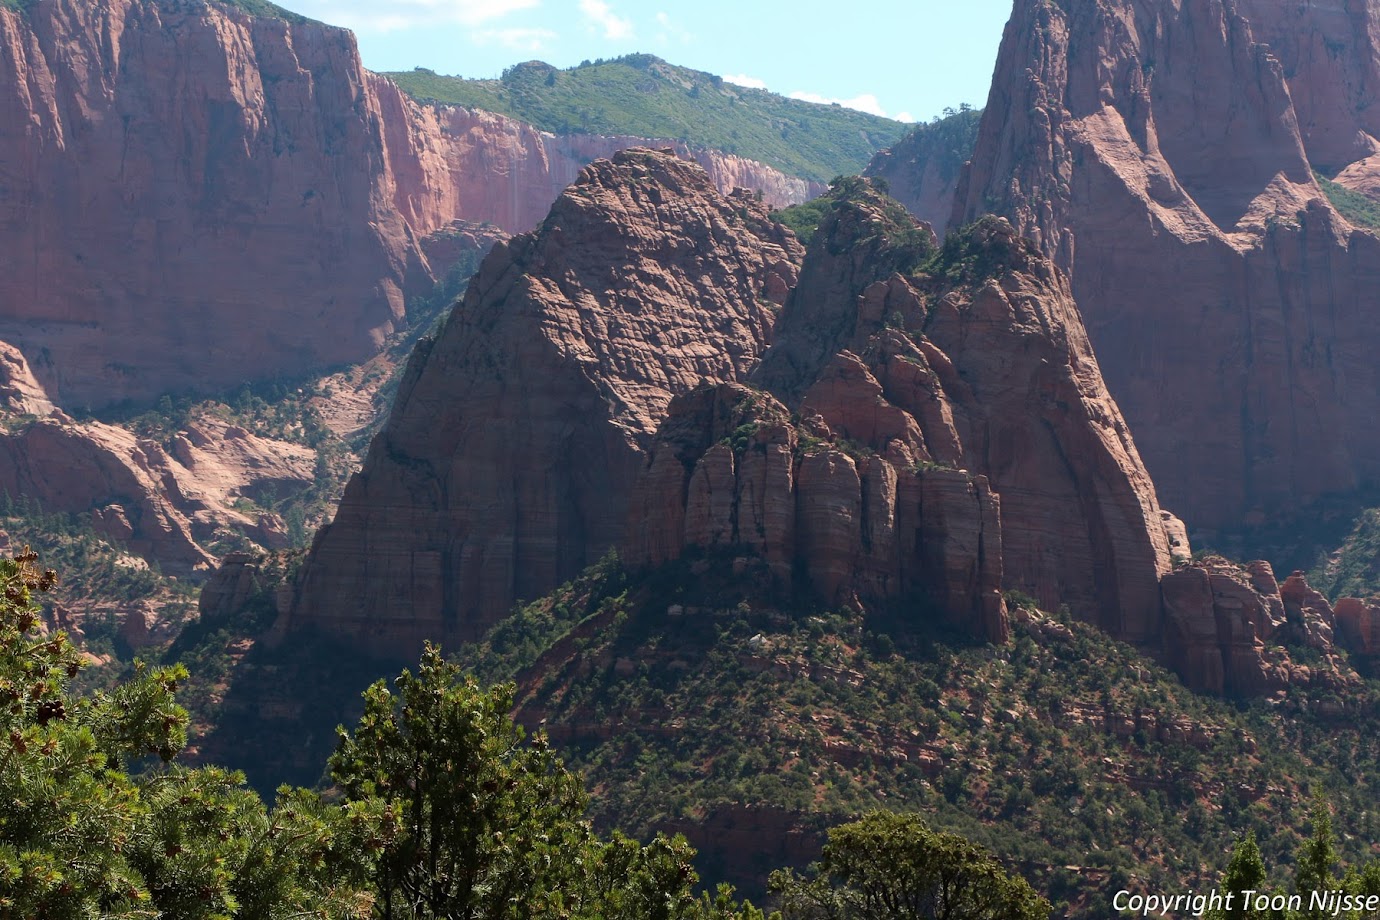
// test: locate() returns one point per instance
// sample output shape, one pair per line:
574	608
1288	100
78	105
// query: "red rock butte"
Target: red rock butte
600	385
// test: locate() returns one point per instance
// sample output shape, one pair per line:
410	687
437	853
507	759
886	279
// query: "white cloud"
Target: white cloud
738	79
669	31
602	15
525	40
904	116
867	102
366	16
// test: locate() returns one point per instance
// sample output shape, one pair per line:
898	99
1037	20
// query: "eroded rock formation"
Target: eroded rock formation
1162	154
167	503
1226	625
600	386
921	401
516	436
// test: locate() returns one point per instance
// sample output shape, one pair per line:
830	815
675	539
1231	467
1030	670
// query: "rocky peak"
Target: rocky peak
511	452
928	382
1157	152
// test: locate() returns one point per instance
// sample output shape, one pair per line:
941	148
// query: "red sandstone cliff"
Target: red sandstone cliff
590	392
922	401
191	197
506	464
1160	153
451	163
1224	624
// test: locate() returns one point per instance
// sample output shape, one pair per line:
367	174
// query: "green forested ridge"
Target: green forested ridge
1047	750
642	95
441	807
263	8
678	696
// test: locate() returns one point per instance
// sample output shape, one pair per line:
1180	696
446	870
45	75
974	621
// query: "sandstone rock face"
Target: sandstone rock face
1330	53
921	401
165	503
452	162
517	436
730	470
191	197
165	506
993	375
1358	624
1163	155
1224	625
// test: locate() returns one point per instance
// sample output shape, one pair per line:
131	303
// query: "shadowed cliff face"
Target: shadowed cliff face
506	465
1161	155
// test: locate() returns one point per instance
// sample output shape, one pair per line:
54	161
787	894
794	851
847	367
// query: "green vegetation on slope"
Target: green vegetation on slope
1070	755
1361	210
266	10
443	808
946	141
1353	568
642	95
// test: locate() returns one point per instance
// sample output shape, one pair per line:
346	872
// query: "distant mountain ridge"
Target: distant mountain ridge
640	94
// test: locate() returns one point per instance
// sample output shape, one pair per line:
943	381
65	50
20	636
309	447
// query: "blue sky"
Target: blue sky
901	58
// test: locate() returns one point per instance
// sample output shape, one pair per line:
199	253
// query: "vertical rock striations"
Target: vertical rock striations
507	463
189	197
1163	156
921	398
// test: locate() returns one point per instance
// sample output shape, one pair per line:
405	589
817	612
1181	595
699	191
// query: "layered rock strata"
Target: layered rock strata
922	399
453	162
190	197
1162	154
508	459
166	502
600	386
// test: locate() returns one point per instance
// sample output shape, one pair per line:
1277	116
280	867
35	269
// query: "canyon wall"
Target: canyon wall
452	162
192	197
189	198
1162	154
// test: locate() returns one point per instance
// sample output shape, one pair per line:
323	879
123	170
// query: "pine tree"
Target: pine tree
1245	872
1315	861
